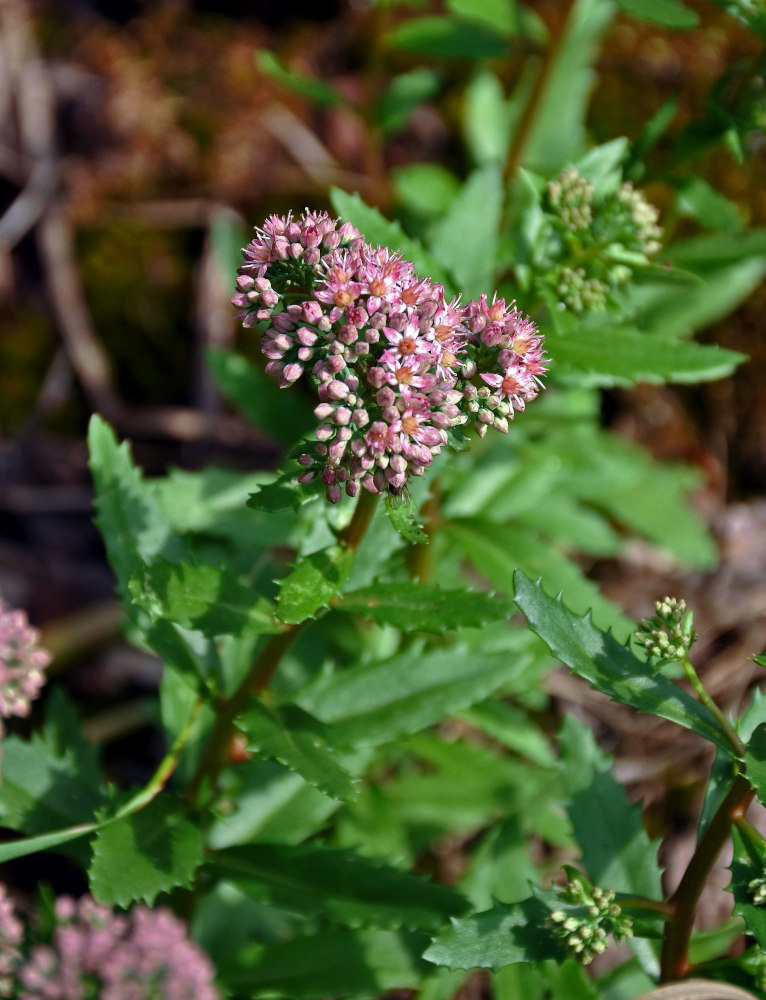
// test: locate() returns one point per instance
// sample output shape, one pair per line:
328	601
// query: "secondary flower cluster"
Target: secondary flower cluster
596	239
668	635
142	955
586	930
22	663
394	364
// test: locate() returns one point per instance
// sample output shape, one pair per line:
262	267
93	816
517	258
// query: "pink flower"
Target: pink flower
22	663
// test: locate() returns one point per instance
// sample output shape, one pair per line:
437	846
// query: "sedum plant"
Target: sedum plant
361	789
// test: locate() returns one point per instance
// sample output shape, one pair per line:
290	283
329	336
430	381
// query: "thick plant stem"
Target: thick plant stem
707	701
218	751
678	929
526	124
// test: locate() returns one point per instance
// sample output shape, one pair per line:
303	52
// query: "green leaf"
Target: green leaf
334	962
202	597
285	416
416	607
599	658
465	240
133	525
562	517
313	583
504	935
425	189
557	135
283	494
152	851
404	520
748	863
448	38
709	207
379	231
274	805
668	13
755	761
53	780
500	868
380	702
339	885
496	550
546	981
501	15
511	727
617	852
624	356
404	94
487	119
300	742
307	86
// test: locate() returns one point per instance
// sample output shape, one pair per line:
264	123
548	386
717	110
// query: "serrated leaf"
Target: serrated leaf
339	885
419	608
380	231
465	240
201	597
334	962
500	868
404	520
448	38
51	781
300	742
380	702
668	13
617	852
152	851
286	416
748	863
131	521
625	356
755	761
504	935
599	658
313	583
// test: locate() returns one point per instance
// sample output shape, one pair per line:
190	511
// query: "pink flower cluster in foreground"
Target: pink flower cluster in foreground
142	955
394	364
22	663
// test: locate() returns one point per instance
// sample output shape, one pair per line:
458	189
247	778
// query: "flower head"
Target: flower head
22	662
588	918
141	955
668	635
394	365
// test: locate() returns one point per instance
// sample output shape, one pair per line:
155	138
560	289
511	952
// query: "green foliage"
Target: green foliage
616	849
299	741
748	867
53	780
599	658
448	38
668	13
415	607
316	579
145	854
339	885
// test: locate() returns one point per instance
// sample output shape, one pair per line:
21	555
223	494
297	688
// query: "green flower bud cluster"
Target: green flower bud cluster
757	889
570	197
668	635
648	233
597	235
579	292
594	917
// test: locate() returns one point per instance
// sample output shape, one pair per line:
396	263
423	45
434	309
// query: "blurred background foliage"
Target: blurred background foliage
140	141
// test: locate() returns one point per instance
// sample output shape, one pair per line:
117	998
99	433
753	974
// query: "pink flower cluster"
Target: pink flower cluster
142	955
22	662
395	365
11	937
